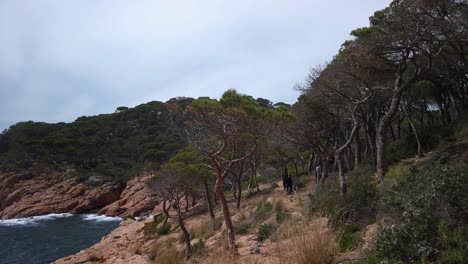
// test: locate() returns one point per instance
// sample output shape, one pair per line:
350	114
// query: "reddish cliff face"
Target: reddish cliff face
136	199
22	195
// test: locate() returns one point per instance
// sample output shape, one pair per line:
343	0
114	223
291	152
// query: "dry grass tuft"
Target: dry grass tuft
306	244
167	254
206	228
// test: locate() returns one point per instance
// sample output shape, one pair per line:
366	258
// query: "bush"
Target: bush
263	210
421	210
164	229
264	231
349	238
280	212
150	230
242	226
397	172
198	248
301	182
359	205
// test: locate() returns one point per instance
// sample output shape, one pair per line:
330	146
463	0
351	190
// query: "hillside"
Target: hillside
85	165
306	227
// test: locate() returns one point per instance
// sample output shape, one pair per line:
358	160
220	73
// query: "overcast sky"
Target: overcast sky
63	59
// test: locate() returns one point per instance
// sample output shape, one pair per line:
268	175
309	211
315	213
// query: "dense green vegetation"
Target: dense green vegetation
115	145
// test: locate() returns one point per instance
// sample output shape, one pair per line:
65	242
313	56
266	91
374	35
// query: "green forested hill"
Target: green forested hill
114	145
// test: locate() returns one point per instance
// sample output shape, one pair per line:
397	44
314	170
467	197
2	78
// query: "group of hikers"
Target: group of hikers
321	172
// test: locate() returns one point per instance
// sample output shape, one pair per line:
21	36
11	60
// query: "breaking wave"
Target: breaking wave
100	218
33	220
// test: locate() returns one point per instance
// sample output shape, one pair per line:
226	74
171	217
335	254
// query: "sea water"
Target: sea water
43	239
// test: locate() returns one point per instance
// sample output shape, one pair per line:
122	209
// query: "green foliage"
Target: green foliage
263	211
280	212
198	248
364	31
150	229
242	226
301	182
112	145
350	237
164	229
264	231
424	207
357	206
454	244
398	172
130	217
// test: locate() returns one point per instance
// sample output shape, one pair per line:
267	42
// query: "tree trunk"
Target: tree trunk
357	154
208	201
165	211
310	165
413	127
384	122
188	247
341	176
295	168
226	214
253	177
239	191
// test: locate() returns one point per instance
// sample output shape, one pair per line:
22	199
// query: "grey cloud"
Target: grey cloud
63	59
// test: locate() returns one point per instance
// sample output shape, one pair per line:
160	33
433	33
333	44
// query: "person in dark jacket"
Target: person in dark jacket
289	183
284	177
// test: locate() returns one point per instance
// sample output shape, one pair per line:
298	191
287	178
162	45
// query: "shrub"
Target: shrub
280	212
94	257
164	229
150	230
242	226
349	237
397	172
359	205
198	248
421	209
130	217
301	182
263	210
264	231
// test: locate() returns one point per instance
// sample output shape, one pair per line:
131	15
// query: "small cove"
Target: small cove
43	239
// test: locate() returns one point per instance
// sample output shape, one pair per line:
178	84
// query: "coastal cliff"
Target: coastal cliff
23	195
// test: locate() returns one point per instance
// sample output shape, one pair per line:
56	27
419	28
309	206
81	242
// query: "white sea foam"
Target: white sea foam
99	218
145	217
33	220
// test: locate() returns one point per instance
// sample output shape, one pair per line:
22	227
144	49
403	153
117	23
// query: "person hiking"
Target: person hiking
284	177
289	183
318	172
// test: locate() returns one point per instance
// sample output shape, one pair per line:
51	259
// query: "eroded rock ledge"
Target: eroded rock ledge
23	195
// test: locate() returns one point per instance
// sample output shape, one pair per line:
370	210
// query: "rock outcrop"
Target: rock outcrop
23	195
135	200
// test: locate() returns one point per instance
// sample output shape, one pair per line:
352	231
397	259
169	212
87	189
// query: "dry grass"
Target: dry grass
206	228
306	244
167	254
218	256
